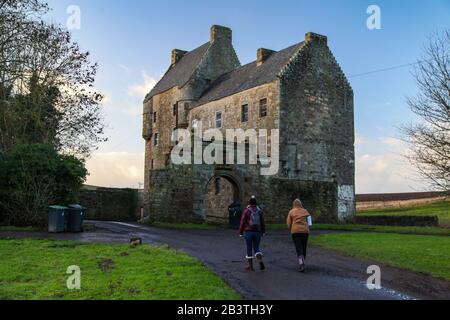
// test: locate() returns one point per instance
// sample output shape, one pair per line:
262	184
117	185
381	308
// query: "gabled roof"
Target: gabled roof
249	76
179	74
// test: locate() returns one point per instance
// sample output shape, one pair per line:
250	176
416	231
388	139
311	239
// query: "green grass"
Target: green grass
427	254
36	269
434	231
440	209
184	226
14	229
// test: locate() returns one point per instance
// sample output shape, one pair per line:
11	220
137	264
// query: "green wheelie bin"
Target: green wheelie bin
75	218
57	218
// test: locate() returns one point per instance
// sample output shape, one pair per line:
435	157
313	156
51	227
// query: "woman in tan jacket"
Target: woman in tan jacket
297	222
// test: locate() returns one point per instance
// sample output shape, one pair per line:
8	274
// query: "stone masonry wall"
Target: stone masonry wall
111	204
317	122
231	109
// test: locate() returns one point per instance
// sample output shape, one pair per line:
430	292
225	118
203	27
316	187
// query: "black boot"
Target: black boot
250	264
259	257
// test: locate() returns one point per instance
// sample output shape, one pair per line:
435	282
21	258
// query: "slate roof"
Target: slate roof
240	79
248	76
180	74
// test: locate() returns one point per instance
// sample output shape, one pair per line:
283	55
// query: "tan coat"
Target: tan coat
297	220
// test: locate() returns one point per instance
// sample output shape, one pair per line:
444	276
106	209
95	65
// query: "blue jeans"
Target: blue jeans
252	239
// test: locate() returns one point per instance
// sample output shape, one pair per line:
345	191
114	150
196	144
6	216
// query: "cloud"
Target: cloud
116	169
125	68
393	142
383	169
140	90
360	140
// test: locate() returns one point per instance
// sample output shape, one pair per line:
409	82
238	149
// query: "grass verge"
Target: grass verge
427	254
15	229
36	269
434	231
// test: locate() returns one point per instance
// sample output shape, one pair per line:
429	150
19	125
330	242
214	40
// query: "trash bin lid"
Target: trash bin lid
58	207
76	206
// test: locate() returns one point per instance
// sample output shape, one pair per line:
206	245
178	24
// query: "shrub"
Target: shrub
34	176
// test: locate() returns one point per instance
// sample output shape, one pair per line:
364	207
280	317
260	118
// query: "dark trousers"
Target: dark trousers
252	240
301	243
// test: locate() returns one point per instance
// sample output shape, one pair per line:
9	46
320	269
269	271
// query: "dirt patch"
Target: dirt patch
106	265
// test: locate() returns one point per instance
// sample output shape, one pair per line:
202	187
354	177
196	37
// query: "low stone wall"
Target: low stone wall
400	221
111	204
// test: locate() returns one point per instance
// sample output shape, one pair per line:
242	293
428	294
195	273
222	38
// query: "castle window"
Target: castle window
175	110
218	119
263	108
244	113
155	139
153	164
154	117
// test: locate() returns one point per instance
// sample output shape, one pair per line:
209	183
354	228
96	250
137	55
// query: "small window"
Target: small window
154	117
155	139
175	110
263	108
153	164
175	136
244	113
219	120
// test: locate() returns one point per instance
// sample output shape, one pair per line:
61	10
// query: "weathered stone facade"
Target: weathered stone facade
300	90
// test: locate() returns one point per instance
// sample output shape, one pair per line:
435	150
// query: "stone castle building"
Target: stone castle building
300	90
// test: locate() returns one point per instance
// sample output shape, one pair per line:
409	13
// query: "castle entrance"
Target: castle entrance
223	200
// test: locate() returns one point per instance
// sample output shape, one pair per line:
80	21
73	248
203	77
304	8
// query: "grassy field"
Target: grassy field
36	269
440	209
434	231
428	254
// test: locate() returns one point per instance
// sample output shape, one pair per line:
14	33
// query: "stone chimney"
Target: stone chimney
263	55
316	38
177	54
221	34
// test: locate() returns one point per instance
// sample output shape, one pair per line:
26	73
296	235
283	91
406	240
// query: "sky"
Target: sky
132	40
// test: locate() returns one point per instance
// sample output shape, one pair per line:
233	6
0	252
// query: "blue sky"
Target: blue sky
132	40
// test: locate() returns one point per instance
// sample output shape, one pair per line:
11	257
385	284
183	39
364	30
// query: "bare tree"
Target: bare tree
429	140
46	83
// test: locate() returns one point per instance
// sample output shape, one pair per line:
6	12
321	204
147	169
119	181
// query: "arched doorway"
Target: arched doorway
223	194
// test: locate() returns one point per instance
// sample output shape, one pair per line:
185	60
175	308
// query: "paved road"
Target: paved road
329	276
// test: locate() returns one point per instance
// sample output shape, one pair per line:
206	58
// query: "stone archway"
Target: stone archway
222	190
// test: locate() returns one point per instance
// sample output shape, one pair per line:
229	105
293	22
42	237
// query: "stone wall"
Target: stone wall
180	194
399	221
110	204
231	109
316	121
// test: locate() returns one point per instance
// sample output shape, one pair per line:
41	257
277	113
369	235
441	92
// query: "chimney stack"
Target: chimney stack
316	38
220	34
263	55
177	54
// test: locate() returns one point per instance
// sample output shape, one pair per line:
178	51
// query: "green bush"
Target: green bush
34	176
